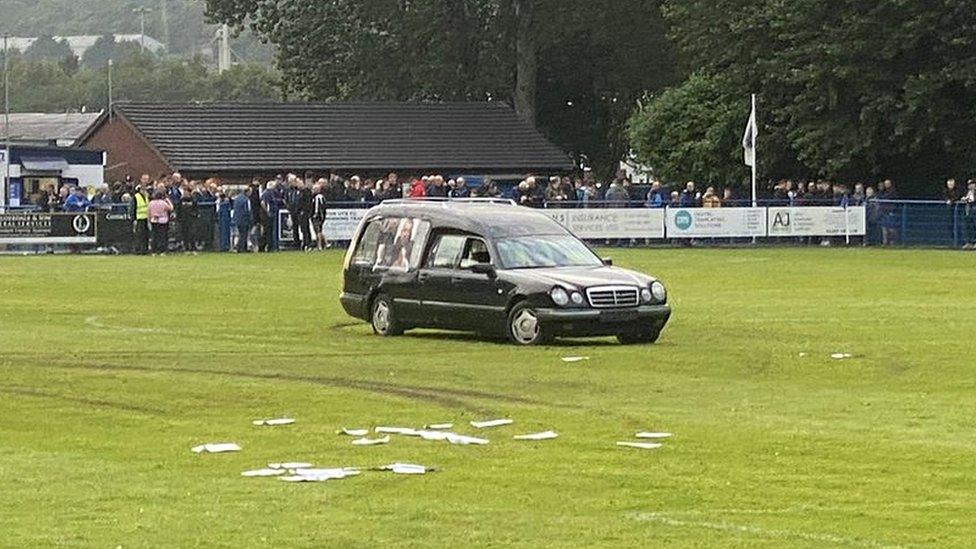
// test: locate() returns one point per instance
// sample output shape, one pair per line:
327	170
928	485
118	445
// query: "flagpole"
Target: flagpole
755	151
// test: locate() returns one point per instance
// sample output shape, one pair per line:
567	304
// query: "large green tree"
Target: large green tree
848	89
574	67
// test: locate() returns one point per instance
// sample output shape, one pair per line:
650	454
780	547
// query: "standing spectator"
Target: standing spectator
728	198
102	198
555	193
223	221
689	197
303	214
710	199
205	206
655	196
489	189
257	220
319	213
459	189
617	196
675	201
436	188
857	197
186	214
270	207
160	209
969	215
889	219
417	189
951	195
242	218
872	212
140	215
77	201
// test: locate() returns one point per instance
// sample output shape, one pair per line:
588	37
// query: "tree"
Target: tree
46	48
475	50
849	90
100	52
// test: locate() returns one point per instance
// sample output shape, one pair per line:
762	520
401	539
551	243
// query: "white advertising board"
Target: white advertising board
715	222
610	222
817	221
341	223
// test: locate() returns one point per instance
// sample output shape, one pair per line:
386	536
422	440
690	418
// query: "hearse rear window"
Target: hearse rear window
392	243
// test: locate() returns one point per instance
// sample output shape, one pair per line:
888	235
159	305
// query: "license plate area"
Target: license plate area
618	316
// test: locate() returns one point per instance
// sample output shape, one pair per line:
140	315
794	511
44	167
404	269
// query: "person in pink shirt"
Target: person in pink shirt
159	212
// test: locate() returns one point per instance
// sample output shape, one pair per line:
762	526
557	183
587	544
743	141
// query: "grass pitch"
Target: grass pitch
113	367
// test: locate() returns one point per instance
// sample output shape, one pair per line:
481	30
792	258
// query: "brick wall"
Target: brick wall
127	152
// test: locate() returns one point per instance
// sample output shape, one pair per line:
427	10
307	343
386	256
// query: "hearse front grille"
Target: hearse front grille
607	297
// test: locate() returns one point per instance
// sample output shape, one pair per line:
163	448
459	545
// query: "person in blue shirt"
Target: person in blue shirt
241	217
223	221
270	205
655	196
77	202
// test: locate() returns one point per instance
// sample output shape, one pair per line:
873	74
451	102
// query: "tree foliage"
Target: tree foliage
848	89
43	86
595	59
46	48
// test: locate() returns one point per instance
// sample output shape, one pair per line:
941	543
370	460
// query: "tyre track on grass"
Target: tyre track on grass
447	397
93	402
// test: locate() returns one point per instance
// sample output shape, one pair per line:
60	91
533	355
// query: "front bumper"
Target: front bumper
604	322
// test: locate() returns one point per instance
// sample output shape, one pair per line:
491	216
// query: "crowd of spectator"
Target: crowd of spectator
206	215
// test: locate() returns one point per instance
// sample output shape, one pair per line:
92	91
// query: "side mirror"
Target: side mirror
608	261
484	268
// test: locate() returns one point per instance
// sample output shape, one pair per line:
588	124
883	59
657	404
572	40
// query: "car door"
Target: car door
480	298
435	279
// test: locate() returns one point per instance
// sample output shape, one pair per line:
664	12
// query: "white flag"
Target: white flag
749	139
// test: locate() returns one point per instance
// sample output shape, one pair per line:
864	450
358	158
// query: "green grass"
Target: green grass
112	368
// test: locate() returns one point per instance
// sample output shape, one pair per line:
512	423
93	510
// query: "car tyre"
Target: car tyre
383	318
642	337
525	328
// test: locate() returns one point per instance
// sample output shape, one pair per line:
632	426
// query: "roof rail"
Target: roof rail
442	201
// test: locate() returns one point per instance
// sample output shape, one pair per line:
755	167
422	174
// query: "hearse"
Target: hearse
490	266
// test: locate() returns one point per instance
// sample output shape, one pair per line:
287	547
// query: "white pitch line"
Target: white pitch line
819	537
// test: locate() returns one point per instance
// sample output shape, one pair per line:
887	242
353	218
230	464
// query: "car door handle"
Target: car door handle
422	277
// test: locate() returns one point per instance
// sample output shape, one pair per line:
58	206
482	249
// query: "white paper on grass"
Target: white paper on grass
434	435
355	432
640	445
273	422
840	356
266	472
653	435
465	440
216	448
439	426
575	358
371	441
290	465
546	435
405	469
491	423
327	474
397	431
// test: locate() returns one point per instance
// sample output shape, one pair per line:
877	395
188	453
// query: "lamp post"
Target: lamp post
142	12
6	123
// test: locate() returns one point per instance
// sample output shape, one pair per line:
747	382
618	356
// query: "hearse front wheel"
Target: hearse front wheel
382	317
524	327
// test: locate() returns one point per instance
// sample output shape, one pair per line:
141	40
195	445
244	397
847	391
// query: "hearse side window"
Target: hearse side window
392	243
475	252
445	251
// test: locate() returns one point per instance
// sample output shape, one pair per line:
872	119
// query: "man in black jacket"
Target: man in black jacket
302	214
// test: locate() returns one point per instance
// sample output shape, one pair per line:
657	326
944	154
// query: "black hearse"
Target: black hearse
493	267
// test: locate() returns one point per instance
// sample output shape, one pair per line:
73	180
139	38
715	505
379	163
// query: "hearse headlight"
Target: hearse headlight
559	296
576	298
646	296
658	291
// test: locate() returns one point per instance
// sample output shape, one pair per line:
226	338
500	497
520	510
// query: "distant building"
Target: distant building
36	169
80	44
61	130
238	141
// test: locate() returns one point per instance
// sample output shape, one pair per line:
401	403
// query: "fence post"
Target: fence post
955	225
904	225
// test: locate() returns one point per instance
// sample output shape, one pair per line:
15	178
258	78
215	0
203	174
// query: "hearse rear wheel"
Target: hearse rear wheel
524	327
382	317
638	338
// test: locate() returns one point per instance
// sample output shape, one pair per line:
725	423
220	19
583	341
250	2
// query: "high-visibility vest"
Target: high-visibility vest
142	207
